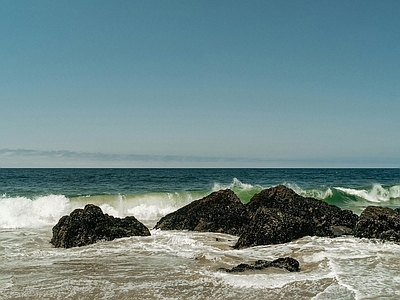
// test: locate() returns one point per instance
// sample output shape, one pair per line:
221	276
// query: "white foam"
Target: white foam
394	191
334	291
22	212
236	183
347	266
108	209
153	207
314	193
150	212
376	194
147	208
201	246
253	280
338	274
270	279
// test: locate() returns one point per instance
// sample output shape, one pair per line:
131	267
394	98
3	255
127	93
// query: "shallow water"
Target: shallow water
184	265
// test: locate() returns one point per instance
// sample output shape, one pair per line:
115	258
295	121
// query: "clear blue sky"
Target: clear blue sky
200	83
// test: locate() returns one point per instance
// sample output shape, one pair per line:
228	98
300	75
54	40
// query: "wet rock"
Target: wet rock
89	225
221	211
279	215
288	263
380	223
341	230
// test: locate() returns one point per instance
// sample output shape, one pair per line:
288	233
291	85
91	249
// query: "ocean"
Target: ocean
182	264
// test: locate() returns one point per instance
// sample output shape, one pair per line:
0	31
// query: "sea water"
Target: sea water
183	264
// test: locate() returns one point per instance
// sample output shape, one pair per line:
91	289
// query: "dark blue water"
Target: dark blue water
76	182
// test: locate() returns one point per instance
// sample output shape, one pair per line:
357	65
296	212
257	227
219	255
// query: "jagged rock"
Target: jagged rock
89	225
288	263
279	215
379	222
220	211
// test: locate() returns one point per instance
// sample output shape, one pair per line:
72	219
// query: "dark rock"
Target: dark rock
220	211
341	230
271	226
89	225
288	263
379	222
279	215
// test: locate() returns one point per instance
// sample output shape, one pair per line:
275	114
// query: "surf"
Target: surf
149	207
41	211
22	212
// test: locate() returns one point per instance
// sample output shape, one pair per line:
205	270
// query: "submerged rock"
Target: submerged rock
288	263
221	211
380	223
89	225
279	215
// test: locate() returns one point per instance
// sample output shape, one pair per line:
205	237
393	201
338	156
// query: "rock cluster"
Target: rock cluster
279	215
89	225
273	216
220	211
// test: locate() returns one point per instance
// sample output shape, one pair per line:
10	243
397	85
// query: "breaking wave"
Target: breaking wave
377	193
41	211
22	212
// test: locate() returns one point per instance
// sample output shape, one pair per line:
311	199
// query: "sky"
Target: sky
197	83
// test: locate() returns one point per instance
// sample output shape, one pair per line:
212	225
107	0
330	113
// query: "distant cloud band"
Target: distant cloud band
70	159
98	156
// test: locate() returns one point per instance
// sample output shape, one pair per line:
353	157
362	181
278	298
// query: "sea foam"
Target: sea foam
376	194
147	208
318	193
235	184
22	212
